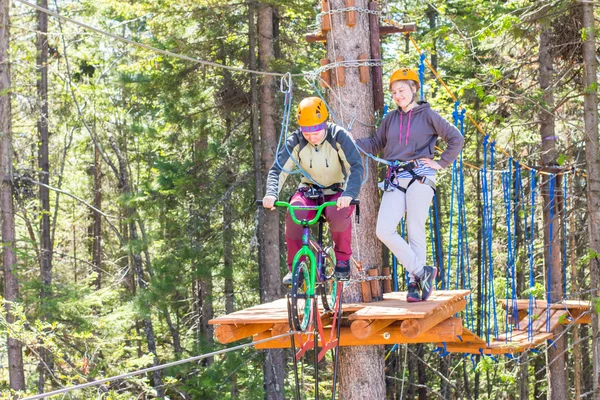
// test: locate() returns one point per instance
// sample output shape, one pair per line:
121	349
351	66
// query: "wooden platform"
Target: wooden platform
394	321
390	321
520	338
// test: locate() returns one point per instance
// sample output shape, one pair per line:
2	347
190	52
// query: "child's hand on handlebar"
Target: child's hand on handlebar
269	202
343	202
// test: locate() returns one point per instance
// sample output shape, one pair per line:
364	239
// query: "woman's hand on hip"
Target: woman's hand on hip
430	163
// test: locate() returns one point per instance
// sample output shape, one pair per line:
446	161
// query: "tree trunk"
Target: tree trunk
361	368
206	289
45	364
97	227
270	277
42	93
130	215
557	376
254	126
9	256
592	155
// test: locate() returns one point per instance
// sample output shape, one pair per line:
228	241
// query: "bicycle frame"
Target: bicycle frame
305	250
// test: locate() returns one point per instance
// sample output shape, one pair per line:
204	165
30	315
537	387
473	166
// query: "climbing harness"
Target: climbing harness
397	167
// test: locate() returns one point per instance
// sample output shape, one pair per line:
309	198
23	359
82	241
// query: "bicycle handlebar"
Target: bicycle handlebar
318	208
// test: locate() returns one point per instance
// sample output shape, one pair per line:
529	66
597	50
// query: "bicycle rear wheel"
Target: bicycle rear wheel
328	288
301	302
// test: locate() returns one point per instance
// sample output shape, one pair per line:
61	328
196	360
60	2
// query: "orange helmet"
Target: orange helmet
405	74
312	114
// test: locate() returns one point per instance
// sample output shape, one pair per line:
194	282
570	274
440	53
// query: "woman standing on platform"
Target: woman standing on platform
407	138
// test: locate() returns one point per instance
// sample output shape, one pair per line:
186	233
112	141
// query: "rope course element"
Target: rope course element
157	367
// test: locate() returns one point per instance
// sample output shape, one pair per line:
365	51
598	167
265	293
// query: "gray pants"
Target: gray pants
415	202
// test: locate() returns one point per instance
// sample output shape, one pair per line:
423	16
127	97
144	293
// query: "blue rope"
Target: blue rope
551	238
438	247
490	258
470	315
450	227
395	272
530	239
422	75
454	183
510	262
483	277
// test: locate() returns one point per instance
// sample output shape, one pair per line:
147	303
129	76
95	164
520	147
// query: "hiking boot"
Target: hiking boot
342	270
287	280
414	292
428	281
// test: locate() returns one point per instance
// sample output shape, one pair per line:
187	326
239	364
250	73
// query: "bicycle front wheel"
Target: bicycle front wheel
301	301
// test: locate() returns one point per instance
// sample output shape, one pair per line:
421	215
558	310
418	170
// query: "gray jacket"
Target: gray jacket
415	138
335	160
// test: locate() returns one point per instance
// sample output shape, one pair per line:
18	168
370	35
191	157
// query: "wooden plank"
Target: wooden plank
469	337
416	327
560	315
230	333
498	347
540	323
523	304
395	306
579	318
384	30
446	331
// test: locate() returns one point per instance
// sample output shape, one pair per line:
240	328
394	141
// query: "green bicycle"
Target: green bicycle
314	278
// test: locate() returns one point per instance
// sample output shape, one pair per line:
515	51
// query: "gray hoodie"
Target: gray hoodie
406	136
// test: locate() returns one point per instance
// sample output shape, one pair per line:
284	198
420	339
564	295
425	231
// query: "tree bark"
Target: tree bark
44	176
361	368
254	127
97	226
43	162
7	213
592	155
270	284
557	376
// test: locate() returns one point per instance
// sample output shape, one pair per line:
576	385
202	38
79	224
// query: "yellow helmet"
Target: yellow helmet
405	74
312	114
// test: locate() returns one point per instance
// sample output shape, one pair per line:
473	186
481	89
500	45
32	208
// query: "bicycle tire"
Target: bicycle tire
301	301
328	288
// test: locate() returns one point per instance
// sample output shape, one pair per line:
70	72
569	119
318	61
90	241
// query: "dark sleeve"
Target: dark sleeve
284	162
450	135
350	156
375	144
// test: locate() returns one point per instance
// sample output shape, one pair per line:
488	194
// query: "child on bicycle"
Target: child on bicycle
332	171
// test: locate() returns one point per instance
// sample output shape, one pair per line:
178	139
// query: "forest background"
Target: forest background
133	176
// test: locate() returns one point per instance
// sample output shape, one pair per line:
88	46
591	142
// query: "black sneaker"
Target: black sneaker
342	270
428	281
414	292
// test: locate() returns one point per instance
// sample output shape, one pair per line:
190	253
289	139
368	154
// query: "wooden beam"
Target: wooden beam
375	40
363	328
350	15
230	333
523	304
416	327
383	30
447	331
